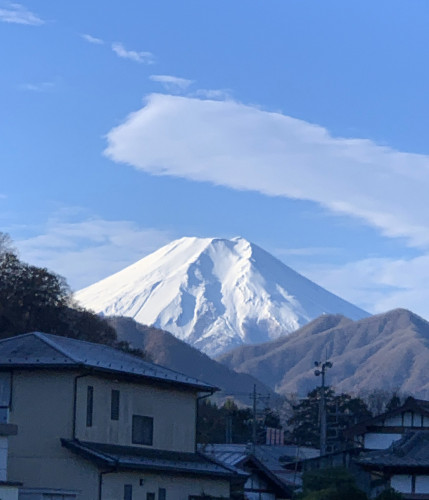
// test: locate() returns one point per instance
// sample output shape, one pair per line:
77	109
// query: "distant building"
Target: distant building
388	450
378	433
268	478
404	466
96	423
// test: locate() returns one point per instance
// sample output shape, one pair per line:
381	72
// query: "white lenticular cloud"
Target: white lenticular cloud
246	148
90	249
139	57
172	83
18	14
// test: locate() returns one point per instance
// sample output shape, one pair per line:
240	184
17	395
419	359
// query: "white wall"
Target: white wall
401	483
8	493
395	421
422	484
379	441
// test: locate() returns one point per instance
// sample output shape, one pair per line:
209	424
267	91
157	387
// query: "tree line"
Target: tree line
35	299
228	422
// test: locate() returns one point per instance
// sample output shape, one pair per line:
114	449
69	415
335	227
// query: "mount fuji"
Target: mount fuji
215	294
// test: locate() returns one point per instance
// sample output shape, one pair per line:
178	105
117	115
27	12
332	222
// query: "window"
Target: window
150	496
114	405
142	432
5	394
89	405
162	494
128	492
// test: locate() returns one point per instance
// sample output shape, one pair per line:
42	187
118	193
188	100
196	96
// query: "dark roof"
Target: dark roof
412	451
42	350
411	404
269	458
135	458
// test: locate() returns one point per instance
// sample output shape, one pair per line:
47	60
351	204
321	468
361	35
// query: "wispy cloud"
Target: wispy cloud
133	55
172	83
37	87
218	94
92	39
306	251
246	148
18	14
379	284
87	250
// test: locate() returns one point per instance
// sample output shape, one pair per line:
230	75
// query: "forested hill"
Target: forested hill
35	299
165	349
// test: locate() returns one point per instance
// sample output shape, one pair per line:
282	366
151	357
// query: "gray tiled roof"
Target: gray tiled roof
135	458
270	455
273	457
38	349
412	451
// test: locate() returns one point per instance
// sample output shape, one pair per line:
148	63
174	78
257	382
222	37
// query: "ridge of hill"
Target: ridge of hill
386	351
165	349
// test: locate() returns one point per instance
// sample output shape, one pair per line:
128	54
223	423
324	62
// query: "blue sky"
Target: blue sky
299	125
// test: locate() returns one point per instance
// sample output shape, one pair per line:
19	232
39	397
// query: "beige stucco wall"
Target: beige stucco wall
177	488
173	412
42	408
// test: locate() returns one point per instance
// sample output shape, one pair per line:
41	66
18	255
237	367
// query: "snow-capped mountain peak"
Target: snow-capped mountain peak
214	293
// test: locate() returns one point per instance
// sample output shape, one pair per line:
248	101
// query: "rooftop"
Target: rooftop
42	350
412	451
411	404
136	458
270	457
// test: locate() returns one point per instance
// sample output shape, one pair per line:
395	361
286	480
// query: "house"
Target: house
96	423
404	466
382	452
379	432
268	478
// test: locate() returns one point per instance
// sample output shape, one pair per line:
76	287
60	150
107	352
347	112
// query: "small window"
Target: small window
142	432
114	405
162	494
128	492
89	405
150	496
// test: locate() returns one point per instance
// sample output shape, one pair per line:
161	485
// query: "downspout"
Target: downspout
75	402
196	415
100	479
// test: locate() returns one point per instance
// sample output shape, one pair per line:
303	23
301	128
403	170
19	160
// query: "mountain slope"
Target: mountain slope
166	350
386	351
214	294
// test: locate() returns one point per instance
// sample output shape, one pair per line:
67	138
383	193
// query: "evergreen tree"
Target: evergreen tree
212	423
334	483
342	410
35	299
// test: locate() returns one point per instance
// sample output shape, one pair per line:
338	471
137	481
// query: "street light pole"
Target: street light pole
321	370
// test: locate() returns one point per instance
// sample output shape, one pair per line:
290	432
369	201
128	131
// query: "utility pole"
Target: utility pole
321	370
254	419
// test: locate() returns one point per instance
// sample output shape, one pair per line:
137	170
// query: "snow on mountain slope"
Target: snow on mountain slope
215	294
